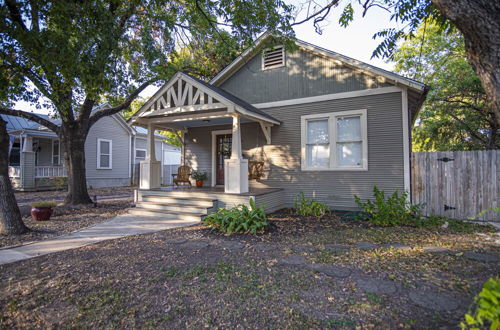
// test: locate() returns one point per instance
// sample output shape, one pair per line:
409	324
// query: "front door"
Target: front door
223	144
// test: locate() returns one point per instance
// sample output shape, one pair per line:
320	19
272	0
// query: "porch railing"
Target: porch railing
14	171
50	171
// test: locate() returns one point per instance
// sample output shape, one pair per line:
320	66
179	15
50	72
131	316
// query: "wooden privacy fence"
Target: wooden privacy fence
457	184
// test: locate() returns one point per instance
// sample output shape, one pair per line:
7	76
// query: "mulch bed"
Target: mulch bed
194	277
23	197
67	219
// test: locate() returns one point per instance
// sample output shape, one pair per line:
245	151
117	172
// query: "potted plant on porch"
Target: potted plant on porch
199	177
41	211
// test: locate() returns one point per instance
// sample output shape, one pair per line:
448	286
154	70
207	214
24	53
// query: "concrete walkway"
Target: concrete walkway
120	226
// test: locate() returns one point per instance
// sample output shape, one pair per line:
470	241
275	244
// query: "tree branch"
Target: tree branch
111	111
30	116
319	12
467	127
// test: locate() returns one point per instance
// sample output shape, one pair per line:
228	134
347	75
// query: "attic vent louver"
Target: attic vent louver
273	58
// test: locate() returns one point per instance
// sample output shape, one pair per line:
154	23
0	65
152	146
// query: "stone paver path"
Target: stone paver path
120	226
481	257
377	286
434	300
367	246
437	250
331	270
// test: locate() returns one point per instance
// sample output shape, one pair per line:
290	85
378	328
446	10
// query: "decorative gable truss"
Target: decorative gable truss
184	98
181	95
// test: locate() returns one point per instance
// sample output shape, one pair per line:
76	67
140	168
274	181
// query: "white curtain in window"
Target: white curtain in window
348	129
318	156
349	154
317	131
318	147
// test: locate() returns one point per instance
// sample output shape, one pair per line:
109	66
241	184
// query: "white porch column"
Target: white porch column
236	168
150	168
28	166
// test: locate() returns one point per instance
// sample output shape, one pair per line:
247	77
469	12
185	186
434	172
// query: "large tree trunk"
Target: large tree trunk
11	221
73	140
479	22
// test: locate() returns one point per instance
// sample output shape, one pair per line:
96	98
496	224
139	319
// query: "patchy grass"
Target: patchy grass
142	281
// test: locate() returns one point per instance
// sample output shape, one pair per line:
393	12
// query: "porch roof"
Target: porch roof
185	101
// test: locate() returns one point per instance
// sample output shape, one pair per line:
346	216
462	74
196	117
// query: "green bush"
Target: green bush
199	176
394	210
42	204
240	219
309	207
487	308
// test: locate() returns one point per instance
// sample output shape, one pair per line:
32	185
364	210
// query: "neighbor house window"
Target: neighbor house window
104	154
273	58
335	141
56	152
140	155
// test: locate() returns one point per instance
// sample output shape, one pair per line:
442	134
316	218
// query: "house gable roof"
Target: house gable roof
163	101
241	60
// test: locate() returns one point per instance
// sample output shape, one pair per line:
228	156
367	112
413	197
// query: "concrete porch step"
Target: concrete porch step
188	216
173	207
190	201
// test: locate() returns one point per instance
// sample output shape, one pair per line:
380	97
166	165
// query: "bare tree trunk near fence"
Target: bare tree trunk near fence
457	184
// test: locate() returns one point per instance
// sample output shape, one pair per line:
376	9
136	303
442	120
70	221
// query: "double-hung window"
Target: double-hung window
140	155
334	141
104	154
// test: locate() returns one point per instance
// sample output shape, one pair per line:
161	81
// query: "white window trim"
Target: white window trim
332	131
283	54
135	154
99	167
59	152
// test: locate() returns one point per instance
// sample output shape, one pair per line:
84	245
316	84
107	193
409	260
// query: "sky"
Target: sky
354	41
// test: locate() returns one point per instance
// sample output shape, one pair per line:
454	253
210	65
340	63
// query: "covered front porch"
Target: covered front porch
213	126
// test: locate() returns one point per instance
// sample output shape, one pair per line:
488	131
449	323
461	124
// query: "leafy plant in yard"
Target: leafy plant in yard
240	219
309	207
487	304
483	212
394	210
43	204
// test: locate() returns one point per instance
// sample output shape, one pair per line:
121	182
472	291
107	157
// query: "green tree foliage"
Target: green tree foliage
456	114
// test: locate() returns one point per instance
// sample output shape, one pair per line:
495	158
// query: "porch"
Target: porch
194	203
35	161
190	106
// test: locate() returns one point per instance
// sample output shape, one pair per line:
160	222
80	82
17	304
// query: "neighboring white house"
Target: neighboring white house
113	150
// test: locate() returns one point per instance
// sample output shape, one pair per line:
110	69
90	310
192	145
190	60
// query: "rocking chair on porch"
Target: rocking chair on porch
182	176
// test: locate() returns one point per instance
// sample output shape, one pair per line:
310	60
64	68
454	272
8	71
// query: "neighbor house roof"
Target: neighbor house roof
18	124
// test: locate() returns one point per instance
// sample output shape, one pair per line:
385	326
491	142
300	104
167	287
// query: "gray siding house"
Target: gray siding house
320	123
112	151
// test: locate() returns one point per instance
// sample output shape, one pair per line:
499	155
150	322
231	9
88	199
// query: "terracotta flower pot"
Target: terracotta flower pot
199	183
41	213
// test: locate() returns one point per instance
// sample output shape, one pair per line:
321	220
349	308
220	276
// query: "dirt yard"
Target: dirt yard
304	273
67	219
